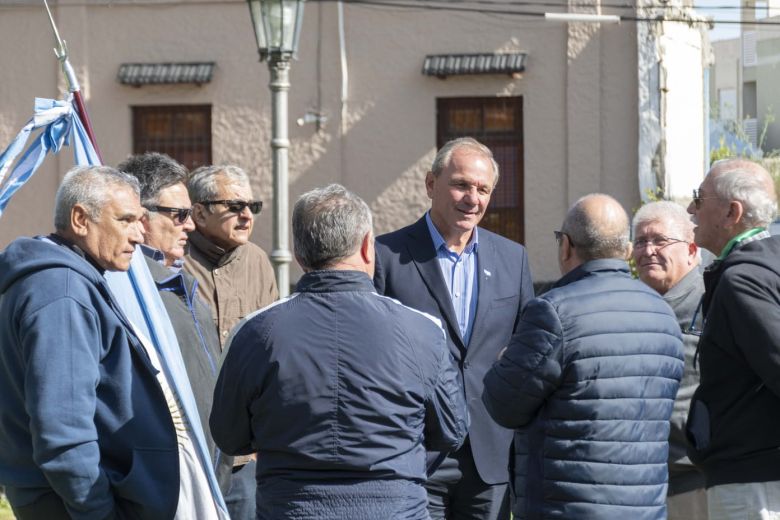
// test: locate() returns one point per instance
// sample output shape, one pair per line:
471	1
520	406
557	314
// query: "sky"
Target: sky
721	31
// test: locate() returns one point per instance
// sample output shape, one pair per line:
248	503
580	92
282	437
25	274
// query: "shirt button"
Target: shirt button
466	365
216	272
457	295
224	333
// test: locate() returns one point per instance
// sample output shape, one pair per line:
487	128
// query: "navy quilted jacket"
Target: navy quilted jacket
590	377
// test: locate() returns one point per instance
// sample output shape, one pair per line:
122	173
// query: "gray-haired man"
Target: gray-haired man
733	425
235	278
85	430
667	259
340	390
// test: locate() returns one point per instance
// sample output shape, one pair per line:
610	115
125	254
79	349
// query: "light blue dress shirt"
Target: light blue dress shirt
460	275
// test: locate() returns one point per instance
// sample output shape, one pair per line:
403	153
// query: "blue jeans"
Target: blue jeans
240	498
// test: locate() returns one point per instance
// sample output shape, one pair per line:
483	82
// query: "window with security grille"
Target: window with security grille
181	131
497	122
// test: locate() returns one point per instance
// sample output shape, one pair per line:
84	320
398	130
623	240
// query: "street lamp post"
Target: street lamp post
277	25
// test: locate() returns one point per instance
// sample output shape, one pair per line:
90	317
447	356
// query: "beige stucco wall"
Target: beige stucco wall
579	100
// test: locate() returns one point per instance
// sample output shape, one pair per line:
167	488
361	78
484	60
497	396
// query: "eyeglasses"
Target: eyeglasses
237	206
559	236
658	242
179	214
697	198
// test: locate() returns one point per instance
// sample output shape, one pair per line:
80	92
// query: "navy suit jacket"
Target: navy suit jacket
407	270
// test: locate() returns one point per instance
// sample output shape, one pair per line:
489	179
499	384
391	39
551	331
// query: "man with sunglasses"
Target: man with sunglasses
166	224
234	276
734	424
667	259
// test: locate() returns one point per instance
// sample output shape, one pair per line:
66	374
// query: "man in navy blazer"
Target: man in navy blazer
477	282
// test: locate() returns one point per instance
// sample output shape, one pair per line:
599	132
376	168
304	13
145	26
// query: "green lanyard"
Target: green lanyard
739	238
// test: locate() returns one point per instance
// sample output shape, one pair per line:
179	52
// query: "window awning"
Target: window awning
443	65
138	74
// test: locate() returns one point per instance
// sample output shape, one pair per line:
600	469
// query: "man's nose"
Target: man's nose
471	195
137	235
245	213
189	224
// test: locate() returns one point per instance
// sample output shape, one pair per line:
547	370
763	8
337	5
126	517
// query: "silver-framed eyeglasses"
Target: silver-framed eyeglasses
657	242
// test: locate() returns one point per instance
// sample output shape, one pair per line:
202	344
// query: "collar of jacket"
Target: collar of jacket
684	286
335	281
591	267
743	251
175	281
60	241
740	239
216	255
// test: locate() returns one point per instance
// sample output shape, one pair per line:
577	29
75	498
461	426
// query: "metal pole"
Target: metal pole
280	144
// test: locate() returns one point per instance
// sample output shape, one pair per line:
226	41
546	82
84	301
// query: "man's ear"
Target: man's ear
567	251
79	220
735	214
693	253
429	180
199	214
367	248
629	251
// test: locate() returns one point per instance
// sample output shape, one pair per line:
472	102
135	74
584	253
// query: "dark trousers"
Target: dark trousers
456	491
240	498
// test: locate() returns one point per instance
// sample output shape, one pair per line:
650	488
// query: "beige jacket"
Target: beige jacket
233	283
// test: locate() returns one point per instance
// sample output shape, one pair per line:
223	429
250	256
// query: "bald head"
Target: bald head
598	228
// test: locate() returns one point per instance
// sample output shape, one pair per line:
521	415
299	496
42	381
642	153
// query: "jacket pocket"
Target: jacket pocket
698	427
151	485
504	301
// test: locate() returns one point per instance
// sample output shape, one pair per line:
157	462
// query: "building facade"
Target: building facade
568	108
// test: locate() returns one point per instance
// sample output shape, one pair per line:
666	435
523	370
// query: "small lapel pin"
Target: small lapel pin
487	273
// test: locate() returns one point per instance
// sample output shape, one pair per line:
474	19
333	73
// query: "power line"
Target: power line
537	14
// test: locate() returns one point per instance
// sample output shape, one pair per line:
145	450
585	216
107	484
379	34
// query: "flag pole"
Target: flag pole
61	51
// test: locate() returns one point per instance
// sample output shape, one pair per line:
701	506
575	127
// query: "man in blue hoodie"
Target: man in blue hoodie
85	430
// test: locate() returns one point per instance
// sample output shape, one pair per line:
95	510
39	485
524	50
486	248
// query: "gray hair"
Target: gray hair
155	172
204	182
90	186
444	155
605	237
745	181
328	225
674	216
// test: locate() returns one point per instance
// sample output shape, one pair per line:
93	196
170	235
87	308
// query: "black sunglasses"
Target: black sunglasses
697	198
179	214
237	206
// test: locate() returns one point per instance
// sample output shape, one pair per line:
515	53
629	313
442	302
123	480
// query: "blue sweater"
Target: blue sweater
81	415
590	377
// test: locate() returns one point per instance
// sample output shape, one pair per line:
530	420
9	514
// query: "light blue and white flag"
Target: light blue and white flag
59	125
135	290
